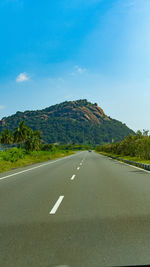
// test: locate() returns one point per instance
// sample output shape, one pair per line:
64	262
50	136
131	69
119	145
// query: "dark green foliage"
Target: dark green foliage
71	122
23	137
46	147
6	137
21	133
133	145
75	147
33	141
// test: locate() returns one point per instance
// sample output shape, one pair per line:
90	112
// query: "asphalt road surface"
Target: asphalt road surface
84	210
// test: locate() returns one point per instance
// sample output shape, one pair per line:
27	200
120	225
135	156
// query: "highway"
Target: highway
84	210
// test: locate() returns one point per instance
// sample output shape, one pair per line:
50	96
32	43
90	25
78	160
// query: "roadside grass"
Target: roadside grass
136	159
32	158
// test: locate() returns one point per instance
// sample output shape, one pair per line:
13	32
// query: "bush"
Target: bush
33	141
46	147
13	154
133	145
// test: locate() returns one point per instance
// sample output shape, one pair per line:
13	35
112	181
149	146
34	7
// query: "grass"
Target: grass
139	160
32	158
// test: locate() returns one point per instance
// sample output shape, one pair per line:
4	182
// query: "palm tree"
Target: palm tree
6	137
21	133
33	141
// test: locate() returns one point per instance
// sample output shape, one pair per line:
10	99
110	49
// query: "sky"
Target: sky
62	50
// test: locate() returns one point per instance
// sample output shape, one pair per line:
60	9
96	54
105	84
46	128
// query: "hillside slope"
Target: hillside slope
71	122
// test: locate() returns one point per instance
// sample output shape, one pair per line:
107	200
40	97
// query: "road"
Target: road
84	210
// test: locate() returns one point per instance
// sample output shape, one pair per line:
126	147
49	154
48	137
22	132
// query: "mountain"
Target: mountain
71	122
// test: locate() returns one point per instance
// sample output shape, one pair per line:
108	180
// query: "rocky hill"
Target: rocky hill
71	122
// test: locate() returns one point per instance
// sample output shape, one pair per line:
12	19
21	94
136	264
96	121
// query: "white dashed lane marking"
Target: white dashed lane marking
73	176
57	204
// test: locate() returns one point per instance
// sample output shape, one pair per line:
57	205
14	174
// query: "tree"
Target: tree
21	133
33	141
139	134
6	137
145	132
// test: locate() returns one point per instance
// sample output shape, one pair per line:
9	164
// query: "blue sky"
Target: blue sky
53	51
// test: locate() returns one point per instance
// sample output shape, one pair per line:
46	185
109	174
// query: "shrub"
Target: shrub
133	145
46	147
13	154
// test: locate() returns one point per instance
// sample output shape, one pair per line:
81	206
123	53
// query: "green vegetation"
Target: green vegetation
15	157
27	148
133	147
76	147
72	122
6	137
22	136
135	159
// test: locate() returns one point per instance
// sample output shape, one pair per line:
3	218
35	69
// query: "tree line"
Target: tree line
133	145
23	136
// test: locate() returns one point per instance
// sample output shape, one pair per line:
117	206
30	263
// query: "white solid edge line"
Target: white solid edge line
121	162
57	204
42	165
73	176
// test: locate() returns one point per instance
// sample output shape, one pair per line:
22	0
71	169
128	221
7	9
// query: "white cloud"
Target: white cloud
22	77
78	70
2	107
